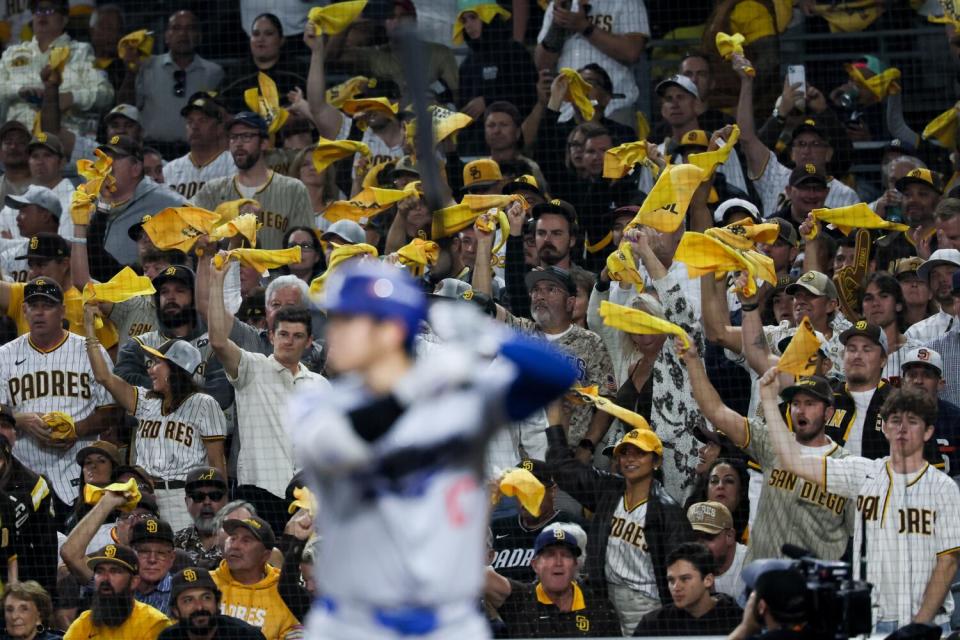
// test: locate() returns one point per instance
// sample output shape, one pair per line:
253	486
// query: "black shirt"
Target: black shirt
526	616
227	629
671	621
513	545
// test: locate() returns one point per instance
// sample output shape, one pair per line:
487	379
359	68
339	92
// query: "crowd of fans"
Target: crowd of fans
168	223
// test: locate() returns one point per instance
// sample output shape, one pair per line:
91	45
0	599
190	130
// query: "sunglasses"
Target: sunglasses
179	83
200	496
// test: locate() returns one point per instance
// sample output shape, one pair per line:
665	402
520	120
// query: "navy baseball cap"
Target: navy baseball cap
554	274
191	578
374	289
43	288
249	119
46	246
556	538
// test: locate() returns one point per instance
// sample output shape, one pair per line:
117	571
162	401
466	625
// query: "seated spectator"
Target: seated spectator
312	259
266	56
557	604
106	28
695	609
84	90
28	611
248	584
46	161
613	35
14	139
206	493
938	272
37	211
725	480
114	612
166	83
209	156
98	464
195	605
713	527
123	120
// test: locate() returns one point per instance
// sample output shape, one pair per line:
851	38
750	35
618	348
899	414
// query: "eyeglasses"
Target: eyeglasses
44	11
200	496
304	246
179	83
139	516
812	144
243	137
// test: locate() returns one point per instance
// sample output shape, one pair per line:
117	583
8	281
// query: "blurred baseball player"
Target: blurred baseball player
394	451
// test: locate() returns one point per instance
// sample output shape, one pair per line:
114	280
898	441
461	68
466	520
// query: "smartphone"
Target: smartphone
797	74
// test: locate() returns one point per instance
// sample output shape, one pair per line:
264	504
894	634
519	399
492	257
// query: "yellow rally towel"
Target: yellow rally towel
590	395
943	129
730	45
578	92
445	124
847	17
366	204
525	486
130	490
619	161
231	209
349	90
245	225
97	173
372	177
82	205
303	499
417	255
62	426
667	203
643	126
329	151
36	130
486	12
639	322
141	40
179	227
622	266
859	216
334	18
353	107
450	220
264	100
337	257
58	58
705	254
881	86
480	202
489	222
262	260
123	286
710	160
800	355
945	19
745	234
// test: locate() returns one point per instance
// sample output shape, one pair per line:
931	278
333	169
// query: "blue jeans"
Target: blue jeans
885	628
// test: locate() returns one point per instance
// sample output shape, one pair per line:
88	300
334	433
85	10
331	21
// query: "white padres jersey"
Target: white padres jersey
186	177
14	270
380	151
773	180
134	317
613	16
628	561
58	379
731	170
170	444
909	520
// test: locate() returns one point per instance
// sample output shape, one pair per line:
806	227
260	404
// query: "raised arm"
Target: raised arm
756	152
731	423
123	393
74	549
716	315
219	323
327	119
790	455
754	341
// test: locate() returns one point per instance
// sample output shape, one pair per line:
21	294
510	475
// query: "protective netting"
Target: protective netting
736	221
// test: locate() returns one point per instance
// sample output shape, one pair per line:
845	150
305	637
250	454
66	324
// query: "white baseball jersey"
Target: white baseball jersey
909	520
186	177
57	379
170	444
14	270
618	17
730	169
380	151
628	561
773	180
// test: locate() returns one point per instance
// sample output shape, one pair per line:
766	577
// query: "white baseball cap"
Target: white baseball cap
128	111
736	203
937	258
922	356
41	196
683	82
181	353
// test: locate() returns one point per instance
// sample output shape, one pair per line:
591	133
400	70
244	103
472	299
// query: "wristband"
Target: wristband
587	444
746	308
76	240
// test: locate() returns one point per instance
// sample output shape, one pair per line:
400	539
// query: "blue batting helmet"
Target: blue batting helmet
375	289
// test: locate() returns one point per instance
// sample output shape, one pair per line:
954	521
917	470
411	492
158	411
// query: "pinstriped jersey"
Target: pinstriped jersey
57	379
186	177
168	444
628	560
908	520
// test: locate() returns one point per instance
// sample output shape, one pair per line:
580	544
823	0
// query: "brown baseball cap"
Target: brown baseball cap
102	447
709	517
